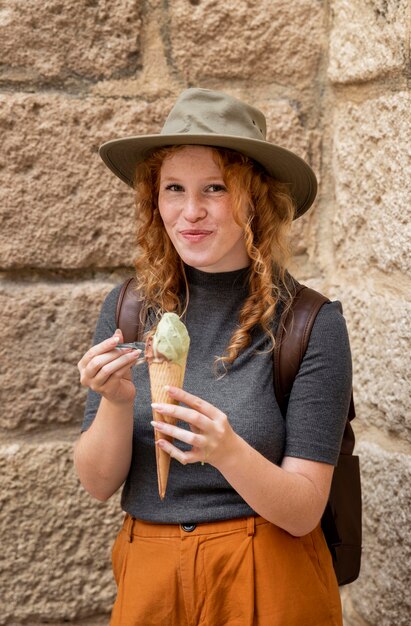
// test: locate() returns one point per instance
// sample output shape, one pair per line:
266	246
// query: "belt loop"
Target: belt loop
129	528
250	526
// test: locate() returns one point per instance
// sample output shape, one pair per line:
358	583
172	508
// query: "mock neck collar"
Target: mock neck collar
237	279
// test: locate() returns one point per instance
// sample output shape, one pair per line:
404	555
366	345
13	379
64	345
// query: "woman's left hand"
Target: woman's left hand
210	435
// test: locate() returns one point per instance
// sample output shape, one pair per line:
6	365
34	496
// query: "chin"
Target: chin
199	263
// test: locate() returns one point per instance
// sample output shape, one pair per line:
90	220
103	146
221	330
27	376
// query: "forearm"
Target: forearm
102	455
288	499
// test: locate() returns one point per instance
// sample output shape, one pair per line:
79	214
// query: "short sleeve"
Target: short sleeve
320	397
106	326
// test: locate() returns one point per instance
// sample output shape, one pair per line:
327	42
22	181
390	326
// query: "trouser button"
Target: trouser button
189	527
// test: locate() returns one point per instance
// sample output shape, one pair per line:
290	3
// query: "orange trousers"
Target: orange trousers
243	572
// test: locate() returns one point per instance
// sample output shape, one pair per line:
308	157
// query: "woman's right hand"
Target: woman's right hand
107	370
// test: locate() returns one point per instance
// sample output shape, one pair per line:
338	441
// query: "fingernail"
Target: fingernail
156	405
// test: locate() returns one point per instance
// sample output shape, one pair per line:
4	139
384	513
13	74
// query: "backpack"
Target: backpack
341	522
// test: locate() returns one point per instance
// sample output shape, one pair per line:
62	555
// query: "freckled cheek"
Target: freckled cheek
168	212
168	225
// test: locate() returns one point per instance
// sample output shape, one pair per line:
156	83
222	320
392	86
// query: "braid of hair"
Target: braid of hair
266	239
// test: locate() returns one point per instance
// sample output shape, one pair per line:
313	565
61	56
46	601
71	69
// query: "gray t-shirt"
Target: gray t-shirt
315	417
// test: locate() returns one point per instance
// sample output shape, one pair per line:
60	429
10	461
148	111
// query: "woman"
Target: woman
237	539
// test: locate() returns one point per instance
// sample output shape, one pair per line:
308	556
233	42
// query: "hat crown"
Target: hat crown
202	111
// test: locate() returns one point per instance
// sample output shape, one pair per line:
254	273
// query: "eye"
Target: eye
174	187
215	187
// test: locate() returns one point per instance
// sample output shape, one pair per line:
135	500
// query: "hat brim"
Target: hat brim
122	156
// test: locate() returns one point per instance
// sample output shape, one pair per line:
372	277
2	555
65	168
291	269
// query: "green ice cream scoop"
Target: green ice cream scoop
171	339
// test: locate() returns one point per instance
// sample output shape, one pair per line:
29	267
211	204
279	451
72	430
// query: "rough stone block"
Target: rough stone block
89	39
256	41
379	327
372	170
60	206
56	538
350	615
45	330
381	593
285	128
368	39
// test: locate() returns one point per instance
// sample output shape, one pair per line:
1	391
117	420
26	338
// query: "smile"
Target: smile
195	236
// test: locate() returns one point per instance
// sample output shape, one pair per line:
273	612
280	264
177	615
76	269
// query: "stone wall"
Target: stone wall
333	78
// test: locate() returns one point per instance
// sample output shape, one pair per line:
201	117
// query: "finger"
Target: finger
175	453
95	379
194	402
186	436
98	362
112	368
124	372
190	416
99	348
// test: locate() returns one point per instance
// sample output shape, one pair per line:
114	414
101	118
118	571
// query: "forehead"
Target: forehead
191	158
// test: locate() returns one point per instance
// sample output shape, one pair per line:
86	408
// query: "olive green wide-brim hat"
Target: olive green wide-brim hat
210	118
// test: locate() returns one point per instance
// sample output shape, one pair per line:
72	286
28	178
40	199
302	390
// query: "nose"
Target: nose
194	208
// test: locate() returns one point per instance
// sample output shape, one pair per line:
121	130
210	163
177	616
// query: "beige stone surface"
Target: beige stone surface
350	615
156	77
258	41
45	329
380	335
45	40
60	206
367	39
372	170
286	128
381	594
56	540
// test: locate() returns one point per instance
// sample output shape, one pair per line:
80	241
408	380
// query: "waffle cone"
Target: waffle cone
161	374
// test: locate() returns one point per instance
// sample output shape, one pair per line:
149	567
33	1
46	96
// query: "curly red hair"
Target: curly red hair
160	270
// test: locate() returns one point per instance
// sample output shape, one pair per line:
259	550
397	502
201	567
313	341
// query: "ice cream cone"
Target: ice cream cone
163	372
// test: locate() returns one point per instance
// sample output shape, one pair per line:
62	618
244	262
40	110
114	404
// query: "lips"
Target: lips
195	235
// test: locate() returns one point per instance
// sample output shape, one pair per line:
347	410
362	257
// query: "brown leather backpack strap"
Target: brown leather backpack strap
129	312
292	338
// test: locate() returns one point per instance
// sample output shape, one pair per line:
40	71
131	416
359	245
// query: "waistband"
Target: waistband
138	528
